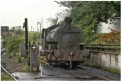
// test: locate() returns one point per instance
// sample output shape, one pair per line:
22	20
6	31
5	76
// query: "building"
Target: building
4	31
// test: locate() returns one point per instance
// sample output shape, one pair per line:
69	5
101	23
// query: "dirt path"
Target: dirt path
11	64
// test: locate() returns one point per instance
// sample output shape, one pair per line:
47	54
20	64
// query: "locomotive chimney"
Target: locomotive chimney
68	20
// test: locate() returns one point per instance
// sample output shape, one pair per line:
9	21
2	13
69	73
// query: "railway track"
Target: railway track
50	73
8	73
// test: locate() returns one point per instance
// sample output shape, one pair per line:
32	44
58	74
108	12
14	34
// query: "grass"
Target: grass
6	77
91	64
109	69
42	60
26	68
112	70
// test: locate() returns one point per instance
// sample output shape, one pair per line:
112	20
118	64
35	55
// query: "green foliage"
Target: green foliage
53	21
42	60
12	41
87	15
108	38
5	77
35	38
88	63
98	10
25	68
109	69
112	70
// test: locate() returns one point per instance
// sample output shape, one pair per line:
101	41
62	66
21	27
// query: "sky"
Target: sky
13	12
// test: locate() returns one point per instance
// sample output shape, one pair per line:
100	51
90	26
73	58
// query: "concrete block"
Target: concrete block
119	57
23	50
34	59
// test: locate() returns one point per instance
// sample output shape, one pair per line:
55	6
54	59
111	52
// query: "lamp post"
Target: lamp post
40	25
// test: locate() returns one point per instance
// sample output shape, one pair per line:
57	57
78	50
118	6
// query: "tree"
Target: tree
53	21
87	15
12	42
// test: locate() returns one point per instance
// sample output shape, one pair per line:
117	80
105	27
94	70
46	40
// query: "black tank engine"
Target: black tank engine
61	44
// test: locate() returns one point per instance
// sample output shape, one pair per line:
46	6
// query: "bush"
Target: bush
6	77
12	42
109	38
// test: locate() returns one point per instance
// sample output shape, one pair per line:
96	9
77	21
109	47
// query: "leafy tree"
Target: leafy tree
53	21
12	41
87	15
34	38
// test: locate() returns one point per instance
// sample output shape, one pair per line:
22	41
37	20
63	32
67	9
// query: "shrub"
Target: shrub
109	38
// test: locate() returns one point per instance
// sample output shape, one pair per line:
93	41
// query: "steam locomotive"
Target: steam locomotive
61	44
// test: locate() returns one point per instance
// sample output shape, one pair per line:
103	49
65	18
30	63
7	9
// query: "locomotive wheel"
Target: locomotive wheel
55	64
50	62
70	65
73	65
64	65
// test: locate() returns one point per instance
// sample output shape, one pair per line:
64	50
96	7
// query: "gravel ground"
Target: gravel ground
11	64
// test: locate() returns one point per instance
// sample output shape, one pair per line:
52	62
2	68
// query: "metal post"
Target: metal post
25	25
40	25
26	35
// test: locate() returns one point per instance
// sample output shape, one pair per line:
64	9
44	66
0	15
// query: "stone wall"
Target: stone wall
106	59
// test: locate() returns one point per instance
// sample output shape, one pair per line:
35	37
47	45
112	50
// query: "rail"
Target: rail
9	73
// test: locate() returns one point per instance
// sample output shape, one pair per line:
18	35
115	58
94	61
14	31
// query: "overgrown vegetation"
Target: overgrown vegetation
112	70
109	69
87	15
12	46
91	64
35	38
6	77
13	40
109	38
